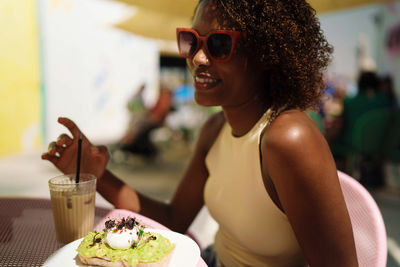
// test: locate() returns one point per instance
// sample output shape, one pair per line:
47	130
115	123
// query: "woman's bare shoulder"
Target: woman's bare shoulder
290	128
293	139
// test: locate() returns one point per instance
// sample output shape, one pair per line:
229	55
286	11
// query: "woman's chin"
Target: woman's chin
205	102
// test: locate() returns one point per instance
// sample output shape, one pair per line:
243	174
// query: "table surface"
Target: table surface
27	234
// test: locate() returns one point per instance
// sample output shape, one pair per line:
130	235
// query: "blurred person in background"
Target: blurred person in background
261	166
387	90
137	139
392	144
368	98
332	109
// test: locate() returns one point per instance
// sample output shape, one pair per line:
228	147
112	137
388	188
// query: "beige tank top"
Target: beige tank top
253	231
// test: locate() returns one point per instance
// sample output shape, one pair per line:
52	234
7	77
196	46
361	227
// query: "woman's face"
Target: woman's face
225	84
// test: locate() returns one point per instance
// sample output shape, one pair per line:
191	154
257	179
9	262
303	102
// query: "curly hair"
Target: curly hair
285	36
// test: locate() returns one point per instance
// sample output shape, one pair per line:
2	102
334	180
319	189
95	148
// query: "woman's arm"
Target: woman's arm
298	161
188	199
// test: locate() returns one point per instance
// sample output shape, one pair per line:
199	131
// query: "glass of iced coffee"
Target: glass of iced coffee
73	205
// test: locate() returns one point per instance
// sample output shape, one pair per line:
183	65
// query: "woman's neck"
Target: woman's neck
243	117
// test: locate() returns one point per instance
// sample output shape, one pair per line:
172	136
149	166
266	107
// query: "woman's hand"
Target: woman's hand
63	152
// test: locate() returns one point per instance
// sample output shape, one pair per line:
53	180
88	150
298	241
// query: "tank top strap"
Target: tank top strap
267	118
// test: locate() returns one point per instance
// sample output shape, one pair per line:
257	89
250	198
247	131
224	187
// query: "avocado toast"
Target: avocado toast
125	243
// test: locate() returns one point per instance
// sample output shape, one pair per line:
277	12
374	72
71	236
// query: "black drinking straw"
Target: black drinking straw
78	161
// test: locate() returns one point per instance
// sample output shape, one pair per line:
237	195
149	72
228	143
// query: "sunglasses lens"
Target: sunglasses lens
220	45
187	43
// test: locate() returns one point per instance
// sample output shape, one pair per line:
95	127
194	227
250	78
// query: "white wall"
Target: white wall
91	69
343	30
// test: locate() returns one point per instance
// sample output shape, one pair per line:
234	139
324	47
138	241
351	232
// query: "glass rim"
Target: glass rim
92	178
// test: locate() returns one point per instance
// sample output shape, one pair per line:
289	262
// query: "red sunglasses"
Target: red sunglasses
220	44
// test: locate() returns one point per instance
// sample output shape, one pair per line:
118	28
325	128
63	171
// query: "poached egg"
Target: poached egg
121	239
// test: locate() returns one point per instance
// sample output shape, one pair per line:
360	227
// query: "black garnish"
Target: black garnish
110	224
95	240
120	226
142	242
130	223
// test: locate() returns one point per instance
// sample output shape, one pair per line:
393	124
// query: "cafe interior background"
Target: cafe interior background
88	59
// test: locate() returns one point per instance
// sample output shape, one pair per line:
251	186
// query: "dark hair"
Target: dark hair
286	38
368	80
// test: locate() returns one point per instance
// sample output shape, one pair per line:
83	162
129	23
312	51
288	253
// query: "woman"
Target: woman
261	165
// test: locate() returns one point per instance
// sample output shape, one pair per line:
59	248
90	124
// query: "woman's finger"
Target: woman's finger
54	148
98	150
51	147
52	158
71	126
64	140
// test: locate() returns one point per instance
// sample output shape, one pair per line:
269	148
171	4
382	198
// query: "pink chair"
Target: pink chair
366	219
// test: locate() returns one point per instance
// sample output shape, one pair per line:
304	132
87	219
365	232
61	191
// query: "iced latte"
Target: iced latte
73	205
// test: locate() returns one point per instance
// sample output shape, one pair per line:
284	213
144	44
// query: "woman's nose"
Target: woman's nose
201	58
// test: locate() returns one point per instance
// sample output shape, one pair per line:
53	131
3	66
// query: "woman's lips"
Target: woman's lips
205	82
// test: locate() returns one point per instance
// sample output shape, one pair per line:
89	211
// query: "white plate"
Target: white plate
186	254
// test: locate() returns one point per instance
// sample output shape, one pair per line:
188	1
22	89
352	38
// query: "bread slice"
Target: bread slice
104	261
